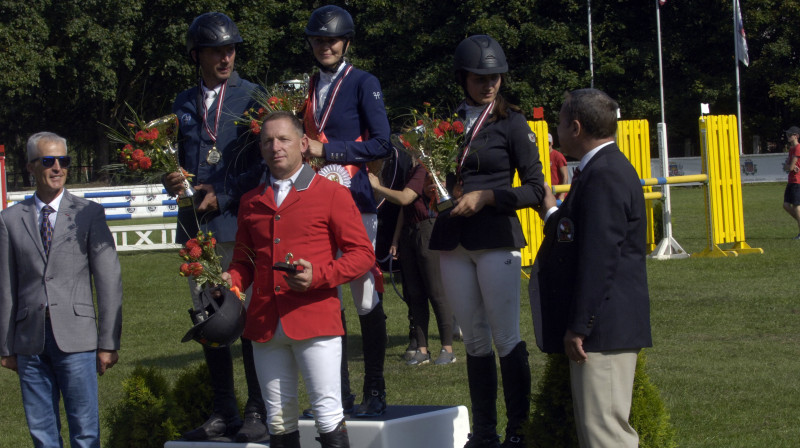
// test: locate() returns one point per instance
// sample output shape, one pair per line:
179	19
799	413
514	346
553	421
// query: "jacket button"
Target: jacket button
277	217
277	240
277	289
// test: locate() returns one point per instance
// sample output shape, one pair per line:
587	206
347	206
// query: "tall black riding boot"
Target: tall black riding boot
516	373
373	339
254	428
288	440
335	439
482	378
224	419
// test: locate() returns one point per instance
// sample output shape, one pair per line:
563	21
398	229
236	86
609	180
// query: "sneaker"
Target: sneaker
797	237
445	357
419	359
374	404
411	350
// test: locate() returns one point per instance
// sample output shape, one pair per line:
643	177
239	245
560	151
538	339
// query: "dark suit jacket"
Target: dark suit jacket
238	171
82	250
592	276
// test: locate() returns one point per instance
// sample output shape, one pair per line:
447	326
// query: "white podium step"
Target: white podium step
399	427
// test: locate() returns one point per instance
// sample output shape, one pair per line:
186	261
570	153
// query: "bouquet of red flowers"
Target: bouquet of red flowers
288	96
434	142
148	148
200	260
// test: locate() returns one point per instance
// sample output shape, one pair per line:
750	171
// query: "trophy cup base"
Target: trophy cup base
444	205
185	202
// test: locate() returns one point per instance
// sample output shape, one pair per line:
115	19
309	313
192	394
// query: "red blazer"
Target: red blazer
317	218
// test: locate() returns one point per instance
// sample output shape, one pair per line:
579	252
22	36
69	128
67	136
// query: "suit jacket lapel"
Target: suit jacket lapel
31	223
64	219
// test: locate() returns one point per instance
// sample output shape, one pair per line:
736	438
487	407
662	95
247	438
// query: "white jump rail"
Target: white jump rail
144	237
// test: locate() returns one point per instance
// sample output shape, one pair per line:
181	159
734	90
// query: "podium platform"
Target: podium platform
398	427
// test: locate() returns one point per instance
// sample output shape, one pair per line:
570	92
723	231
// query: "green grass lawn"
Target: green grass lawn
726	334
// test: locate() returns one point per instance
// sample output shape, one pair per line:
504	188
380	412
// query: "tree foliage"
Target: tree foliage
70	65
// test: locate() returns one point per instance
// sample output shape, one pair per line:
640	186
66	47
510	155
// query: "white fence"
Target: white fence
127	203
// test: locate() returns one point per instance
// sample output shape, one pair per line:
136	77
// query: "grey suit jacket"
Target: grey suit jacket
82	250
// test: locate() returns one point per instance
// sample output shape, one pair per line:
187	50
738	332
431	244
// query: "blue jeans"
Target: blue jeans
44	379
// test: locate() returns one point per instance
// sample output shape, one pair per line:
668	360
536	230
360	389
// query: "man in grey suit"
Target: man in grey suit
52	246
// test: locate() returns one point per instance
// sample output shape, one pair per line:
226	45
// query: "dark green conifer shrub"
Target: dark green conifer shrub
552	423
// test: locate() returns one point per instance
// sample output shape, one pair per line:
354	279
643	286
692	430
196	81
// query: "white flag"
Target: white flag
741	41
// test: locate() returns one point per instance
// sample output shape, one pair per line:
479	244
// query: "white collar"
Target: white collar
329	77
585	159
215	89
291	180
55	203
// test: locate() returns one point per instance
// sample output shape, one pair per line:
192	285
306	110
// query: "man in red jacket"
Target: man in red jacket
301	220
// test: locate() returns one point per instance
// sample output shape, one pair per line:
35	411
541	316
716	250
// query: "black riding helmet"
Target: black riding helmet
221	320
480	54
212	29
331	21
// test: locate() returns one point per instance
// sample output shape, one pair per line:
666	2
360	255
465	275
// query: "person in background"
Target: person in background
481	237
558	168
294	320
589	298
419	266
791	196
345	120
224	160
53	247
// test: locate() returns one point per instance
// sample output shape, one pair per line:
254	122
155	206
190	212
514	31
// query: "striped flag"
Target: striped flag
741	41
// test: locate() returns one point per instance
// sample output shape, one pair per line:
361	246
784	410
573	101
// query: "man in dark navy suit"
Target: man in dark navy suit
591	301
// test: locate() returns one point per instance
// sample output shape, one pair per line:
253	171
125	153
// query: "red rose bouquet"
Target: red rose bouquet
434	142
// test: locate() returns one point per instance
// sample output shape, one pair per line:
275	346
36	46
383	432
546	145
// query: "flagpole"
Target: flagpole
736	44
667	248
591	59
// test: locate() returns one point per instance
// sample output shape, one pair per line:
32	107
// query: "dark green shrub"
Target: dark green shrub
552	424
192	394
648	415
150	414
144	418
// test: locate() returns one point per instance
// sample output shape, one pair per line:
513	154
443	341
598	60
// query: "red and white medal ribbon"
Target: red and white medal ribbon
320	123
213	134
475	129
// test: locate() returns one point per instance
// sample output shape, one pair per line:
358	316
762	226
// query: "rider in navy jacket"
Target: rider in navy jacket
238	149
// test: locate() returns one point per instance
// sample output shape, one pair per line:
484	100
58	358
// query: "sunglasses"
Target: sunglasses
49	161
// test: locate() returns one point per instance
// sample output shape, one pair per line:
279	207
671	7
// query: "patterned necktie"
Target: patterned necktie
576	174
46	228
